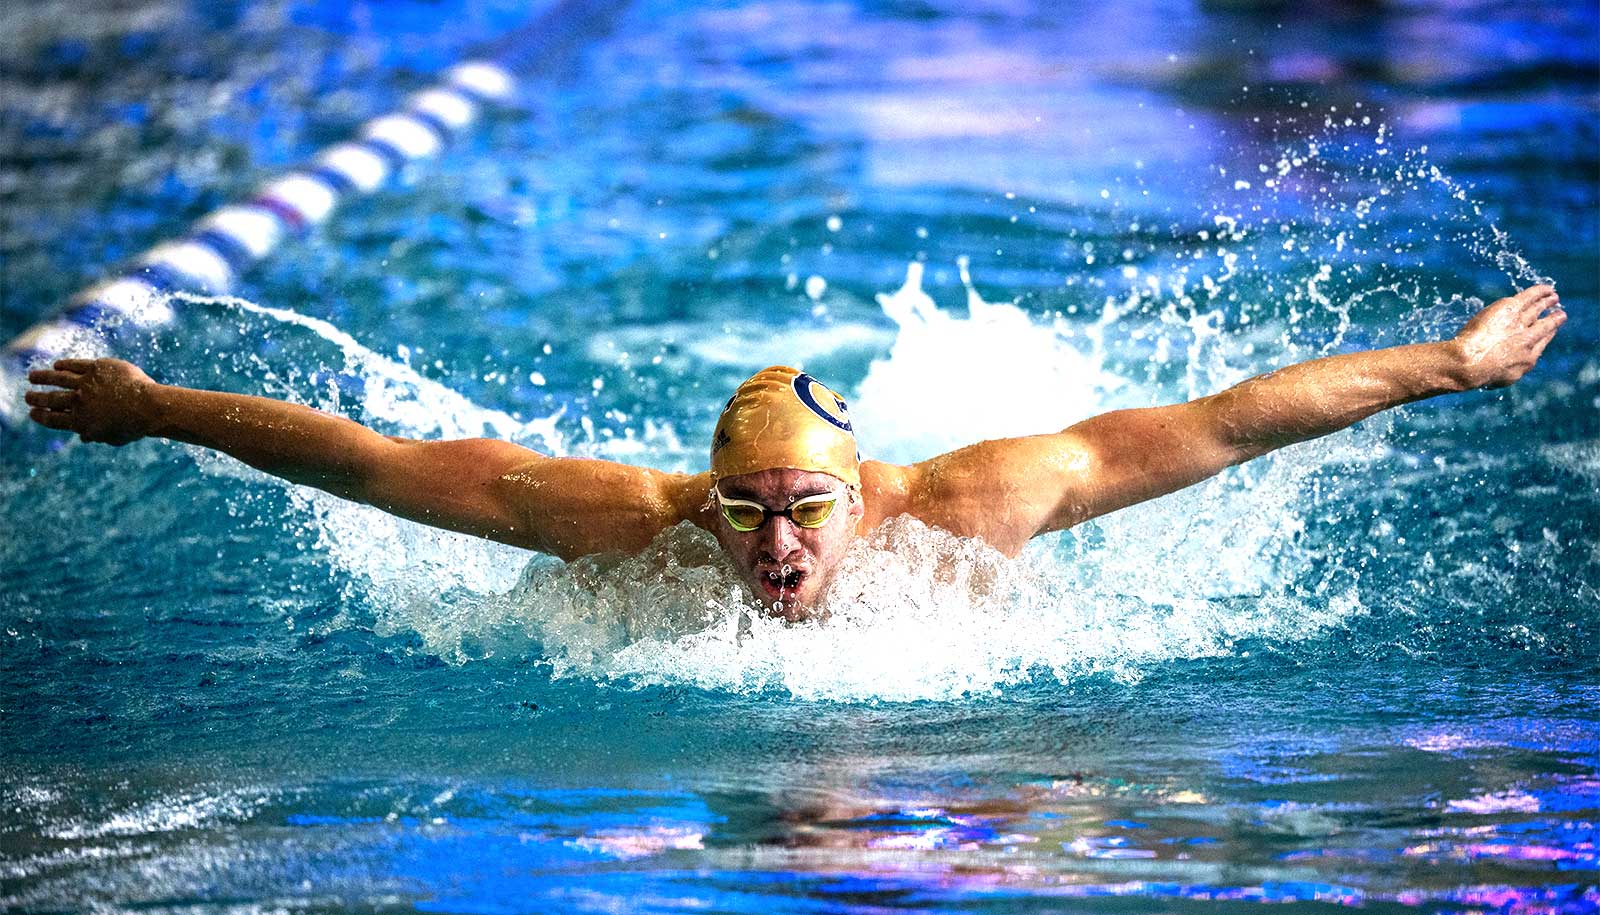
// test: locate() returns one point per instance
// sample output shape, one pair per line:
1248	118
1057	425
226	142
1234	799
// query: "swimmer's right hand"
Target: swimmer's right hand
103	400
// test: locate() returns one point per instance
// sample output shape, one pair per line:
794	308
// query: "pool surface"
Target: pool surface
1364	671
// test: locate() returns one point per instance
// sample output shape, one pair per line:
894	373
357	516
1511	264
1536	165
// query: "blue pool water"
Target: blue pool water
1364	671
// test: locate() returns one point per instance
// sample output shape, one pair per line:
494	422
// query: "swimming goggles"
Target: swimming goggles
807	511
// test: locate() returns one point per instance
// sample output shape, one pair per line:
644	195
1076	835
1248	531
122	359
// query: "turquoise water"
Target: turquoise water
1359	672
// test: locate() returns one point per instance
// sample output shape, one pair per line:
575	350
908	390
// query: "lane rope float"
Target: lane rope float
219	247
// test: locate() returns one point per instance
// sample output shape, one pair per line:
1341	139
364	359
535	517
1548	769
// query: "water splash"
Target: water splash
949	381
916	613
391	393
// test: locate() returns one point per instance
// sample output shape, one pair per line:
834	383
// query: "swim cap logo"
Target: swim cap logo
822	401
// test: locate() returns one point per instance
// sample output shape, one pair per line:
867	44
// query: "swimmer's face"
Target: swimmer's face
789	567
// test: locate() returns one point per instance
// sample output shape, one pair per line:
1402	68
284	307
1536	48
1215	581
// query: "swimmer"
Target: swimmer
787	494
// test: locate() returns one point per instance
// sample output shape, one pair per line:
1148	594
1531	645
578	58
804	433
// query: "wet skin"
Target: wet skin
787	566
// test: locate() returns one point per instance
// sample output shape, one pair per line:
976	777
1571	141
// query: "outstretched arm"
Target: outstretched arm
1011	490
565	506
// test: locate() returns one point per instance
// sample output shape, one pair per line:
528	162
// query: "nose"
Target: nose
779	539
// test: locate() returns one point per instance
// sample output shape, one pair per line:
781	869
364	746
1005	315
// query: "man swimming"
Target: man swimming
787	493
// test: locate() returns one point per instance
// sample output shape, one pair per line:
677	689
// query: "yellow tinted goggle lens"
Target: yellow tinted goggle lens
744	518
812	514
809	512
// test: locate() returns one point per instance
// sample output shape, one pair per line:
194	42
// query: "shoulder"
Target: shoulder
1004	491
689	497
886	491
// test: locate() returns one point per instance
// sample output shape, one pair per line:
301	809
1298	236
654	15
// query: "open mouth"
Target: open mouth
781	582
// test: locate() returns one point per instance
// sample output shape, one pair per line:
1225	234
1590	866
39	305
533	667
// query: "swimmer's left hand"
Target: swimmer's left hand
1503	341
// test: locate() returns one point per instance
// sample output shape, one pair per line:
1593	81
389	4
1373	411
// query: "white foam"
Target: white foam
949	381
916	613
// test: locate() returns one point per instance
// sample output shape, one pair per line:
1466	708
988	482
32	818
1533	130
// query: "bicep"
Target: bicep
1003	491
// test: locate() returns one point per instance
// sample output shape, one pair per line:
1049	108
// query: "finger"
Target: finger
74	365
51	400
1547	326
1533	301
1537	349
1533	293
56	378
50	419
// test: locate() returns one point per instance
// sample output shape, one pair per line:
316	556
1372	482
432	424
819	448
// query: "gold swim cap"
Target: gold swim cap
782	417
